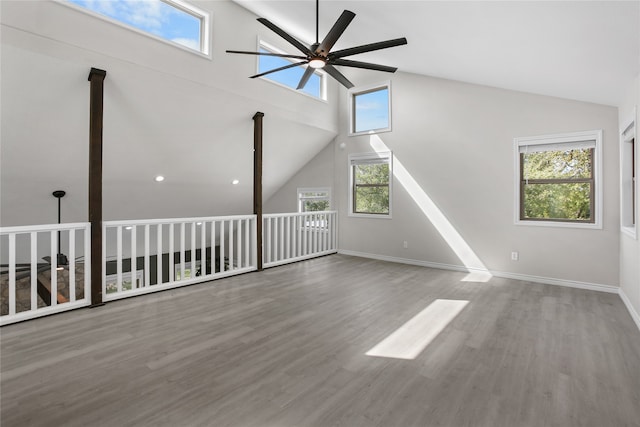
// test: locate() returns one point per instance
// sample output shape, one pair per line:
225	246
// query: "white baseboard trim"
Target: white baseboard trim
405	261
558	282
632	311
501	274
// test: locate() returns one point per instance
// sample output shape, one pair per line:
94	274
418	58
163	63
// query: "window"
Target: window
628	180
172	20
314	199
370	177
558	180
290	77
370	109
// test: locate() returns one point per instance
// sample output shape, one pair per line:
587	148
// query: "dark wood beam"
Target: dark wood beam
257	181
96	77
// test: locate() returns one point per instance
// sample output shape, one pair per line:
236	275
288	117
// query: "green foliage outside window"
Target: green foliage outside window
371	188
315	205
314	201
558	185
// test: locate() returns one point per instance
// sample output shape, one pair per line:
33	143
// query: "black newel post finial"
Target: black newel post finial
61	258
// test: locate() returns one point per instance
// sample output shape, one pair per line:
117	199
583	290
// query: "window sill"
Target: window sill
370	132
629	231
560	224
374	216
299	92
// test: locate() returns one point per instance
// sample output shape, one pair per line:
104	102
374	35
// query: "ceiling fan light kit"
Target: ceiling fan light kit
319	55
317	63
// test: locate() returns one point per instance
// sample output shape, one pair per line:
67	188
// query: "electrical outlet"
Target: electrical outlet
405	244
515	256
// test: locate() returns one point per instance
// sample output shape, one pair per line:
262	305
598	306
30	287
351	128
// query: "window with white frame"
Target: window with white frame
370	184
370	109
314	199
290	77
558	181
628	180
175	21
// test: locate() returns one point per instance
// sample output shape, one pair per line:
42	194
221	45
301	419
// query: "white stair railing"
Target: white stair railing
292	237
142	256
32	284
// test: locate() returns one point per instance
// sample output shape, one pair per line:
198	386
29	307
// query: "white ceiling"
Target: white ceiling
583	50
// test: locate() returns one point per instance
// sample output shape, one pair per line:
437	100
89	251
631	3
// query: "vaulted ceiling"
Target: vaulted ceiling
583	50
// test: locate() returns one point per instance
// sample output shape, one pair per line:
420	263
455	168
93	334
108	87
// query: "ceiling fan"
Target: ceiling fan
319	54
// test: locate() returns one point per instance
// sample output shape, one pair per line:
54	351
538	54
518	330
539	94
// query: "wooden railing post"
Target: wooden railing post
257	182
96	77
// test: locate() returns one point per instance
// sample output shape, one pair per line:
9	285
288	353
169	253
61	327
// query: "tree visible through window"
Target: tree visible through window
558	185
558	179
314	199
371	188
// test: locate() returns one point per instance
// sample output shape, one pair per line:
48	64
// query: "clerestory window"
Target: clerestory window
370	109
289	78
175	21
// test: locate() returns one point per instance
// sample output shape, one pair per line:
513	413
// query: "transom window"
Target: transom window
370	109
558	179
172	20
370	175
314	199
290	77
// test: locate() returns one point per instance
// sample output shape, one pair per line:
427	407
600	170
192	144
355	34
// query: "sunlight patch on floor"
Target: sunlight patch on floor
477	270
410	339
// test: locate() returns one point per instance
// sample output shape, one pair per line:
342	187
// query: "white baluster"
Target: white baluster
34	270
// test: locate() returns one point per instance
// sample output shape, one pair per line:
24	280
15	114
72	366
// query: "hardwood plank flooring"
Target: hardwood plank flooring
286	347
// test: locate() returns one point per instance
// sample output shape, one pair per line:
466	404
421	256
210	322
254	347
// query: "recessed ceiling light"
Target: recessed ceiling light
235	182
128	227
159	178
198	223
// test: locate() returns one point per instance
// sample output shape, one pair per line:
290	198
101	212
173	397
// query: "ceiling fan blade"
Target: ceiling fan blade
295	64
368	48
335	32
338	76
281	55
365	65
279	31
305	78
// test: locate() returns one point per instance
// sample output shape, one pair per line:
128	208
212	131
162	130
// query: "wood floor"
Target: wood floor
286	347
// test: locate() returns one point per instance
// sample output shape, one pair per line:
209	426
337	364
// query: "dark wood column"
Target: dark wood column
257	181
96	77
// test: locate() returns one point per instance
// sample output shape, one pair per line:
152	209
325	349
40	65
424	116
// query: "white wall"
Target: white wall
630	247
456	142
167	111
319	172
